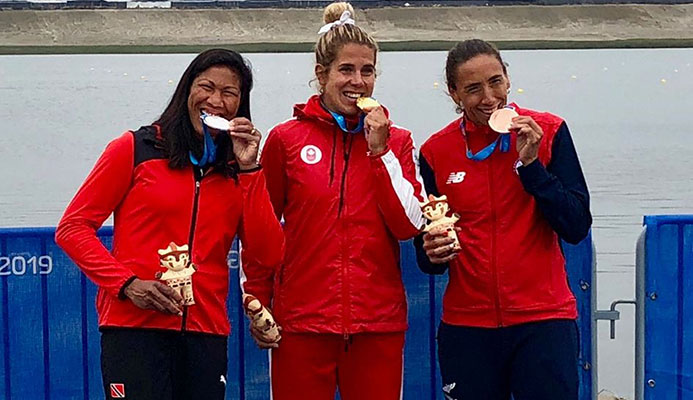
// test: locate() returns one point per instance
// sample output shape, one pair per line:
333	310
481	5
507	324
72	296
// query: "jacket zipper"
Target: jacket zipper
346	151
334	149
199	174
494	267
346	155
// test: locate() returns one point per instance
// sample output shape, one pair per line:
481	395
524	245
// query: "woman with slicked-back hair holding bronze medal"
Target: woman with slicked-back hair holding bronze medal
513	177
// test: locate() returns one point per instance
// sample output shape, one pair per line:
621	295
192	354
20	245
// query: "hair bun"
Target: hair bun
334	11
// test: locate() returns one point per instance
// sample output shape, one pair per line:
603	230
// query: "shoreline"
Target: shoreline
308	47
294	30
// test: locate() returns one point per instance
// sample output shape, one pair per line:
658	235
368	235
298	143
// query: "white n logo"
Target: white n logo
455	177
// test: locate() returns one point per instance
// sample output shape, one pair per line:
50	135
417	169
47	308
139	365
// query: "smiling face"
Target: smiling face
481	87
175	262
216	91
350	76
435	210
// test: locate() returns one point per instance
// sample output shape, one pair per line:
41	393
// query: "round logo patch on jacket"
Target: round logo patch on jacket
311	154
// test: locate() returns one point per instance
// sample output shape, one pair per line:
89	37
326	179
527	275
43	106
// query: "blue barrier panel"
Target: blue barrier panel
50	340
419	359
64	327
26	294
580	269
235	373
668	304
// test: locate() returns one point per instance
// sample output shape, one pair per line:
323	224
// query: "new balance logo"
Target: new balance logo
455	177
117	390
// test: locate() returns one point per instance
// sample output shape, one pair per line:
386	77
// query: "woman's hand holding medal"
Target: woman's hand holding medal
529	135
376	124
246	142
244	137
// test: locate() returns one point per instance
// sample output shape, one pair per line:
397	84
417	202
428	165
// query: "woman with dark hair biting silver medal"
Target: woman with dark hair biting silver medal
180	190
513	177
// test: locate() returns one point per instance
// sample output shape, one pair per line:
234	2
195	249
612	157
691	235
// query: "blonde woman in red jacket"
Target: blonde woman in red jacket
176	181
344	181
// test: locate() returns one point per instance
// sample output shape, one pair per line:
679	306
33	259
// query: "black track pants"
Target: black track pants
533	361
162	365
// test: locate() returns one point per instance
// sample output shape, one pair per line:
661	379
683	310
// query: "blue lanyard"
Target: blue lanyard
503	139
341	121
209	153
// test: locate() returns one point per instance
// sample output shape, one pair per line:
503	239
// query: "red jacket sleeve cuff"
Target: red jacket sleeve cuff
379	154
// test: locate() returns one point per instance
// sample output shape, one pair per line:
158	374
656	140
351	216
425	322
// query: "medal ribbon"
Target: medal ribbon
503	139
209	152
341	122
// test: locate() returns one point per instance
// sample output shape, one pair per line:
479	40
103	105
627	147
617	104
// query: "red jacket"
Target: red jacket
152	206
344	212
511	269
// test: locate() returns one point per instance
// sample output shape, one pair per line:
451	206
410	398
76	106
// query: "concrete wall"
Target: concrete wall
273	27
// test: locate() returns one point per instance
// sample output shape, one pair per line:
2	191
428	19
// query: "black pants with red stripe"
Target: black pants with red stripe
533	361
162	365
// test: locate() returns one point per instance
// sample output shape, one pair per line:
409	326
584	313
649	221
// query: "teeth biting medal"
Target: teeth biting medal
367	103
215	122
501	119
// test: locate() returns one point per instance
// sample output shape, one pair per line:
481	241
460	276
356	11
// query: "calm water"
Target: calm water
629	112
